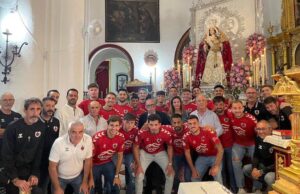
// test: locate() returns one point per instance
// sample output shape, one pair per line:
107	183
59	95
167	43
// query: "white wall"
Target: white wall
174	21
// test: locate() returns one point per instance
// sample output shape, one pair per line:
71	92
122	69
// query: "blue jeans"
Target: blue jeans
238	153
179	162
74	182
108	171
268	178
203	163
227	170
129	178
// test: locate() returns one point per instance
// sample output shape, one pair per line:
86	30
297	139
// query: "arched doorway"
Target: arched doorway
106	63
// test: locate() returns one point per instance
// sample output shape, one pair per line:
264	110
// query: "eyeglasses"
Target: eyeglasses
260	129
8	100
150	105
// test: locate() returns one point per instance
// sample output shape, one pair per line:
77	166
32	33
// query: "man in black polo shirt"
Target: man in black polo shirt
253	106
280	115
22	150
51	133
7	116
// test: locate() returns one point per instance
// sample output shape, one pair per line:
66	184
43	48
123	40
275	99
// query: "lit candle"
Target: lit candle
178	64
266	64
250	81
262	69
188	62
254	72
250	55
190	71
243	60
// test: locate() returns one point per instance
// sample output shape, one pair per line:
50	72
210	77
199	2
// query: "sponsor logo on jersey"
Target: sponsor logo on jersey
37	134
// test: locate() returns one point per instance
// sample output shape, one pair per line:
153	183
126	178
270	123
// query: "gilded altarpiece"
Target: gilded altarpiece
285	52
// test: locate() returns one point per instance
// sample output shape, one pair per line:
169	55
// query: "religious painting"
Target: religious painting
297	13
132	21
122	80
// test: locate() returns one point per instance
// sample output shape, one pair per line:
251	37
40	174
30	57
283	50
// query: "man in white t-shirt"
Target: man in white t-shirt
70	160
93	122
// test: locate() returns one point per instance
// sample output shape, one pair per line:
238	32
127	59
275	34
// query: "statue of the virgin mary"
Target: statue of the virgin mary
214	58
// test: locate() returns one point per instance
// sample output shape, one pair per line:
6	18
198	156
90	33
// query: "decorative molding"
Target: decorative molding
202	4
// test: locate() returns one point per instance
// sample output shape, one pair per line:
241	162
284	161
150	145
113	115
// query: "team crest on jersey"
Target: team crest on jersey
256	112
55	128
158	140
20	135
37	134
243	124
125	111
104	145
226	120
202	138
115	145
131	136
282	118
147	139
194	142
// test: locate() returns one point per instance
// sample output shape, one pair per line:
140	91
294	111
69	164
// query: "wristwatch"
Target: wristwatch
170	163
117	176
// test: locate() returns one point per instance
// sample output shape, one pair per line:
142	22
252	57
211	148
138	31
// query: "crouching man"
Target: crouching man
209	150
262	169
149	146
70	160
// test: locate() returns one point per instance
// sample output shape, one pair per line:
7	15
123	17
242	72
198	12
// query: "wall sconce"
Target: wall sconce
9	58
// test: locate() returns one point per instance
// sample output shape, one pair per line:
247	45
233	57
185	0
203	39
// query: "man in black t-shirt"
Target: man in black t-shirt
253	106
6	114
22	148
51	132
280	115
262	169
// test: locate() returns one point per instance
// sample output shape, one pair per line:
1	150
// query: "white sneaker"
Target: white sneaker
258	191
241	191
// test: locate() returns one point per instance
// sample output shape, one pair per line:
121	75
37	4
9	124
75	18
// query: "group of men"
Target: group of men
78	145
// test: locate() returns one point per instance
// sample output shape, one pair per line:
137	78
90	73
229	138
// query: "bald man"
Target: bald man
93	122
7	115
205	116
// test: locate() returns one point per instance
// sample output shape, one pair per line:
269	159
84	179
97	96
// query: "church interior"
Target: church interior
158	45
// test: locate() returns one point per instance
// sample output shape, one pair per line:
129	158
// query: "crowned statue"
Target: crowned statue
214	58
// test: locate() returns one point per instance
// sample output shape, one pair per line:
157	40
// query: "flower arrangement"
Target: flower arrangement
172	79
188	54
239	77
257	42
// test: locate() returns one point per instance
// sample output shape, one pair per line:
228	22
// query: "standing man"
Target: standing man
93	122
187	103
227	142
129	130
122	107
70	112
7	115
51	133
149	146
262	169
243	125
207	117
22	149
108	109
266	91
177	130
160	102
209	150
70	160
253	106
136	110
106	144
150	106
53	94
280	115
93	92
142	93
